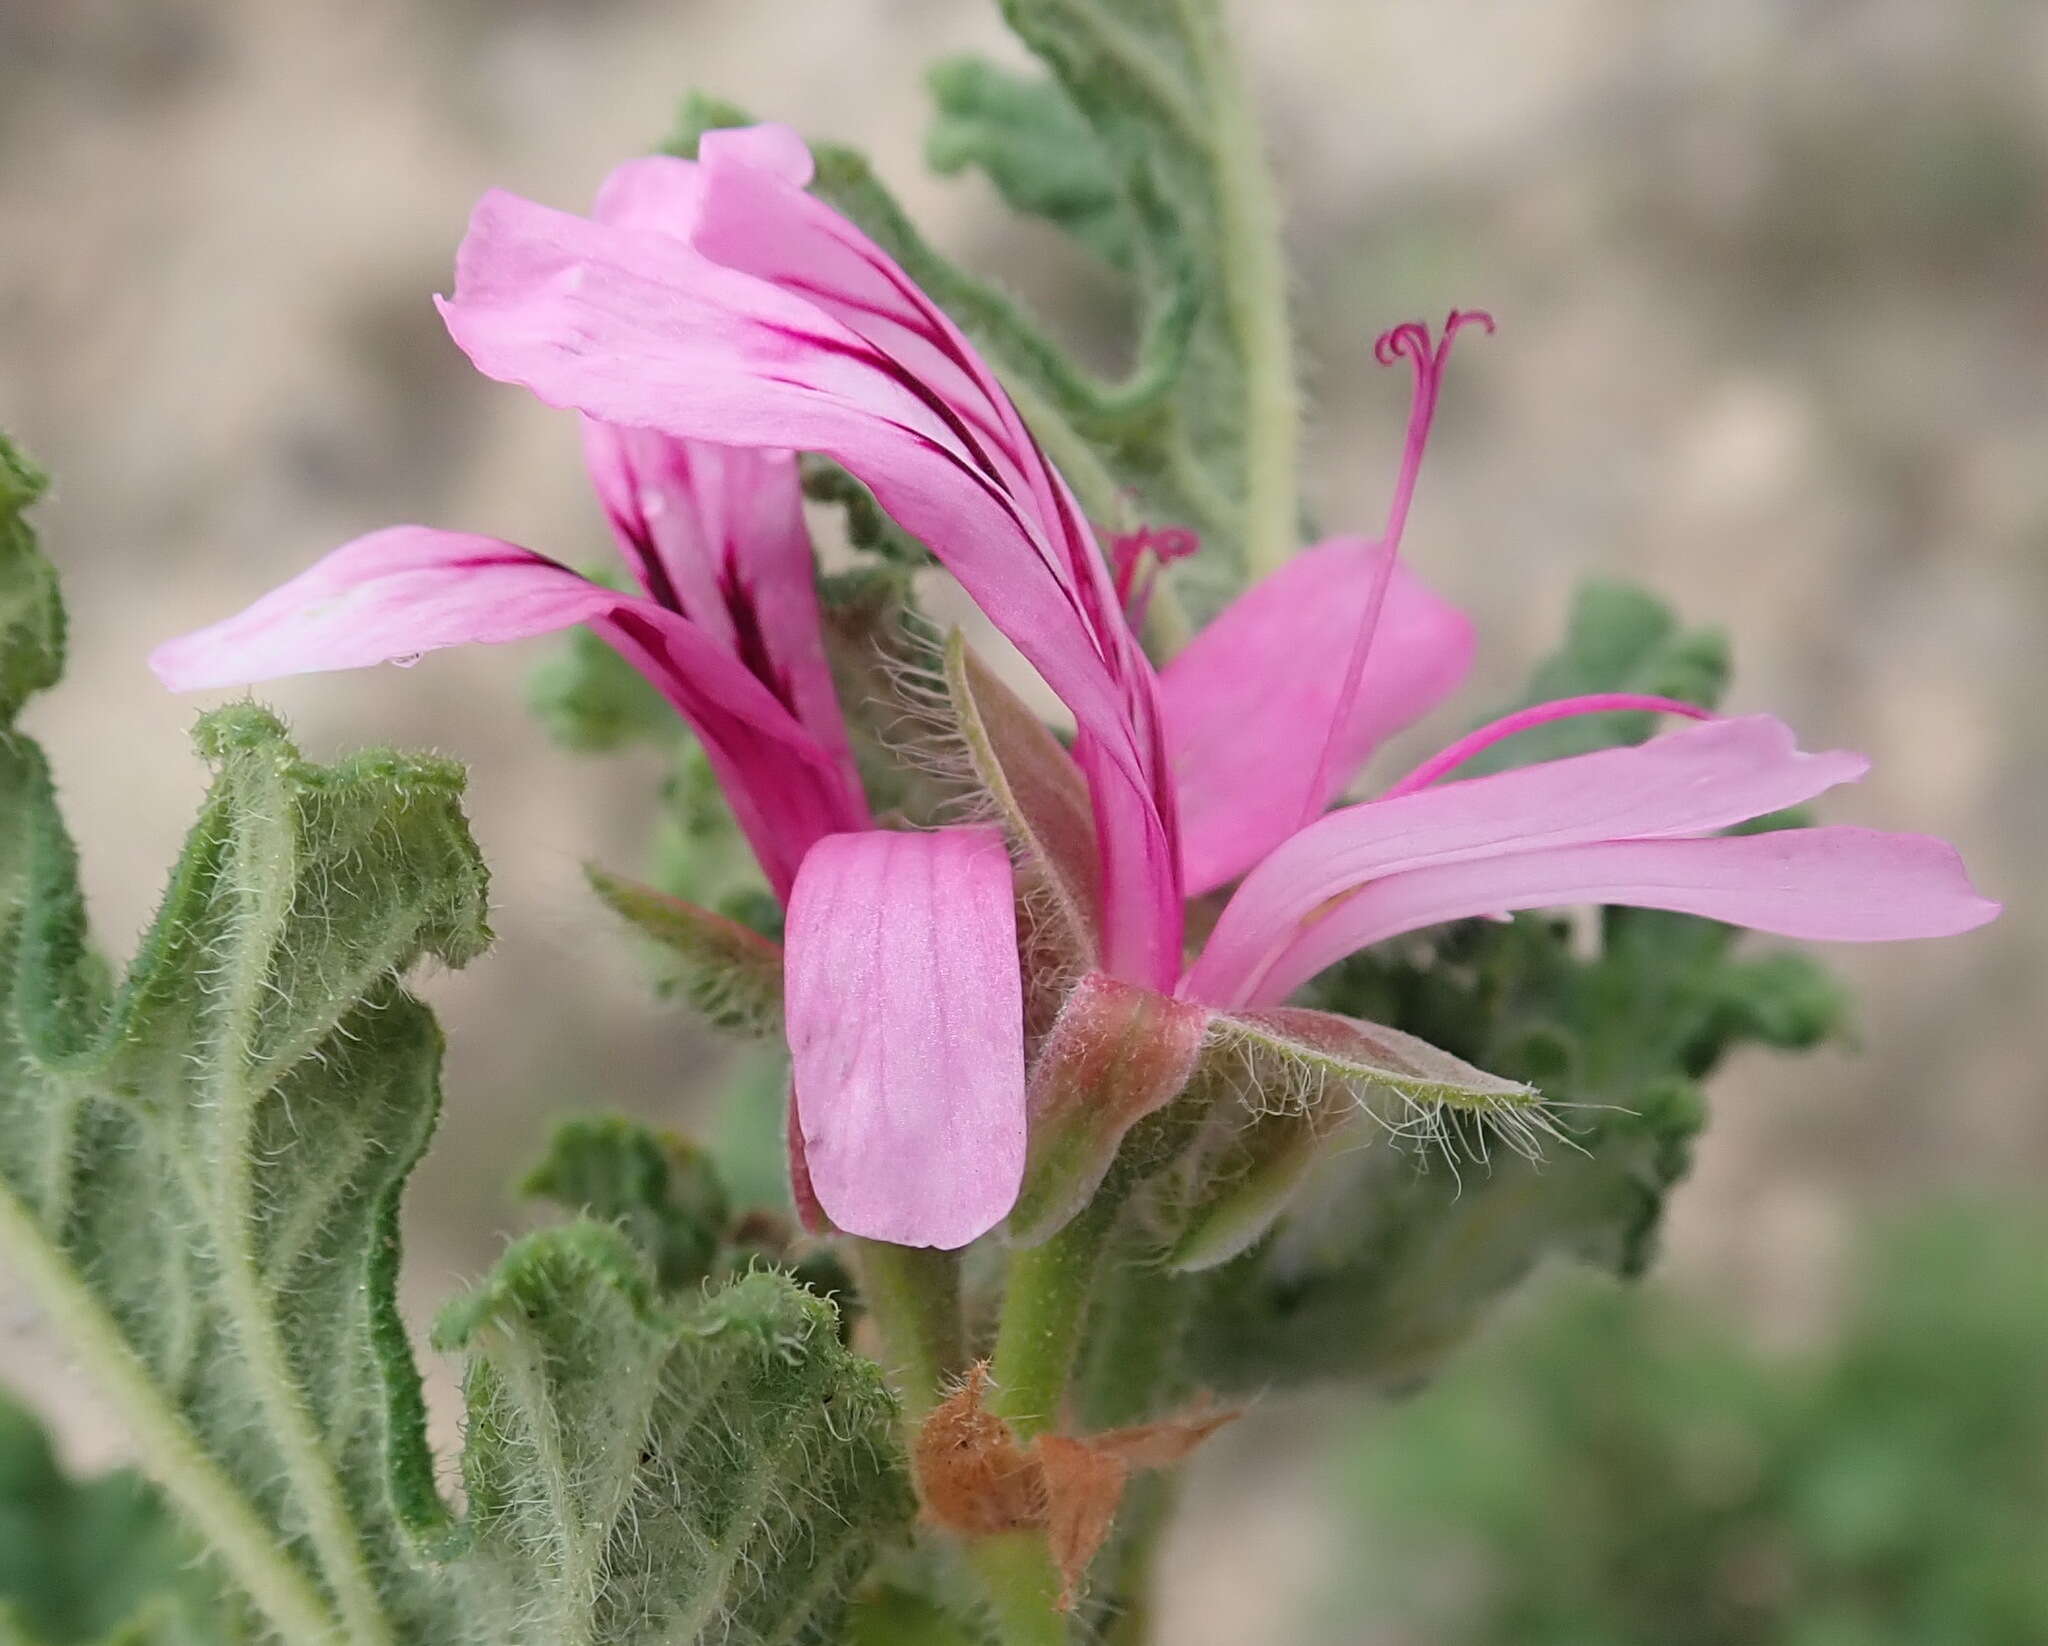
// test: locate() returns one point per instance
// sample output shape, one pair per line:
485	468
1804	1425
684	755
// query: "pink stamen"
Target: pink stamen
1413	343
1136	558
1541	714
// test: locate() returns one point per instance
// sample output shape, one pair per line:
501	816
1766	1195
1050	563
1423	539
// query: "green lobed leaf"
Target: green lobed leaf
1026	135
31	614
599	1419
664	1194
200	1186
203	1164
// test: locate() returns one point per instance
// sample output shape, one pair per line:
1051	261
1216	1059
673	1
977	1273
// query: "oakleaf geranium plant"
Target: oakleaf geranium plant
1084	1028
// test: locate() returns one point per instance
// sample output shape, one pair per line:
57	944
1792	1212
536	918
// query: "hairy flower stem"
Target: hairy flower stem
1045	1302
913	1296
1022	1588
1135	1331
1146	1512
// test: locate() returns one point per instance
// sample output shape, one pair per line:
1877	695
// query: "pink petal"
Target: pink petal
654	191
717	533
1250	702
394	594
1693	781
906	1030
1839	884
828	347
383	598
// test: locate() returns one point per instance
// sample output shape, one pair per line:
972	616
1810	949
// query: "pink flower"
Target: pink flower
727	626
719	302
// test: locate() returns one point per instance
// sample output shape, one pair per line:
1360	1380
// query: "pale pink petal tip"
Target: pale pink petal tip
770	147
906	1031
384	598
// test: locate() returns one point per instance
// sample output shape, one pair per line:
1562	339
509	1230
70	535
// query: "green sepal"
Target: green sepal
727	971
1038	794
638	1471
1288	1086
663	1193
1115	1054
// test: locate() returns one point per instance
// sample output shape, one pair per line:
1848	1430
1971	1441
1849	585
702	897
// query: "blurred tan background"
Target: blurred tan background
1770	277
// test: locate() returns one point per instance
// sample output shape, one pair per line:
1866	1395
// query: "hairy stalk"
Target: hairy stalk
1045	1301
172	1457
1254	294
913	1296
1134	1336
1134	1340
1146	1512
1022	1589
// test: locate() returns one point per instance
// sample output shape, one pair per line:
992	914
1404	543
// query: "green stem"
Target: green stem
1147	1508
1022	1588
1134	1338
1254	294
1045	1300
168	1449
913	1296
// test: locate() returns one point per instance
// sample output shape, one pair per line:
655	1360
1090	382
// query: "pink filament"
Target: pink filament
1541	714
1129	554
1412	342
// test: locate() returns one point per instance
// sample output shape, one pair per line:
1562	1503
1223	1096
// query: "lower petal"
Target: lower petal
1839	884
905	1013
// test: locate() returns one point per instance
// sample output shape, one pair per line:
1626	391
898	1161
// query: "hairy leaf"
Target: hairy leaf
200	1184
203	1165
599	1419
1028	137
31	614
663	1193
